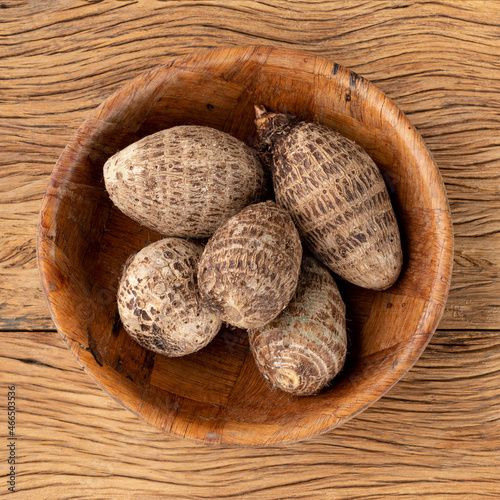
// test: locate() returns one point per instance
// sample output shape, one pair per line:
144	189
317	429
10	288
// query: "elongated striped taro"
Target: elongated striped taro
185	181
304	348
249	269
336	196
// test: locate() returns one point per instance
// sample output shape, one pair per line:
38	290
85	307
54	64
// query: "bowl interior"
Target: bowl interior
217	395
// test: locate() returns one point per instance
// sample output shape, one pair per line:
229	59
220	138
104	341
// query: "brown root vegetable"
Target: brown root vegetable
185	181
158	299
336	196
249	269
305	347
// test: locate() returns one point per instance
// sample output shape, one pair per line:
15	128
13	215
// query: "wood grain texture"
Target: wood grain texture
435	435
60	63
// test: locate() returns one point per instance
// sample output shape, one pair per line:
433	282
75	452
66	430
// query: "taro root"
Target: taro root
336	196
158	299
185	181
304	348
249	269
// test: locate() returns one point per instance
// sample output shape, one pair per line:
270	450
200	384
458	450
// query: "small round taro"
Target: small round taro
158	299
305	347
249	269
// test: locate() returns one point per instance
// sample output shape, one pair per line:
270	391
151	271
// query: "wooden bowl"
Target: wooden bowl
216	395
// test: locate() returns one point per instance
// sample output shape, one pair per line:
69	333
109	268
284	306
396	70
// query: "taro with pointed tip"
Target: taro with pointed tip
336	196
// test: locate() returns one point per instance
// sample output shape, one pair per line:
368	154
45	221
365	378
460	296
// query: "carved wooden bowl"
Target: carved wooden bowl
216	395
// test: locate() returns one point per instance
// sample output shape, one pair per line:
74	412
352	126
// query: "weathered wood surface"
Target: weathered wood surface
436	432
434	435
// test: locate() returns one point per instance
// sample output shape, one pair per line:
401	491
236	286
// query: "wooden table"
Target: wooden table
436	434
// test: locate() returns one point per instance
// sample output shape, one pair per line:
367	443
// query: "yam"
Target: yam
185	181
305	347
249	269
336	196
158	299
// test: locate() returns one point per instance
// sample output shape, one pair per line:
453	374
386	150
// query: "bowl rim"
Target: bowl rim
406	356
